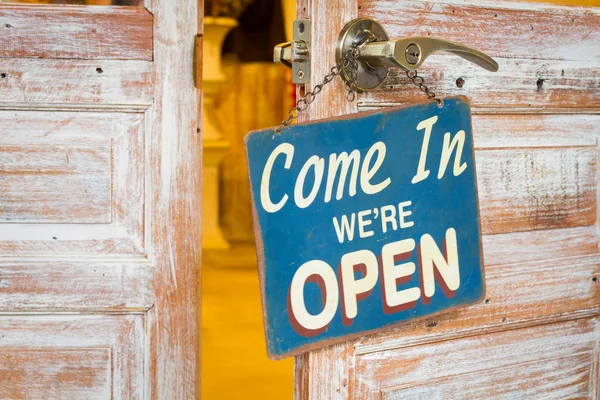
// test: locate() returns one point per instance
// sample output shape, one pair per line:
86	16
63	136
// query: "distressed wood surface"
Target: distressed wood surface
55	374
325	373
115	92
531	42
59	189
66	337
75	32
176	160
536	188
563	85
539	130
508	355
118	82
78	178
536	136
540	245
508	29
63	286
521	294
552	378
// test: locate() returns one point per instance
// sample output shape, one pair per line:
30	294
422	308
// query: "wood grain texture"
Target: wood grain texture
565	85
325	373
539	130
508	29
536	188
119	82
553	378
393	370
536	133
116	177
520	294
557	45
68	184
512	248
54	336
75	32
175	156
118	96
55	374
64	286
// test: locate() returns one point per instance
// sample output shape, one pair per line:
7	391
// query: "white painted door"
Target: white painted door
99	201
536	128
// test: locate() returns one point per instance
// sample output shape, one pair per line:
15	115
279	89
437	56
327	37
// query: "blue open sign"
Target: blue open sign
364	221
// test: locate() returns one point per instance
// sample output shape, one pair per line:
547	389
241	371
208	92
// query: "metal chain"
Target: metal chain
419	82
349	67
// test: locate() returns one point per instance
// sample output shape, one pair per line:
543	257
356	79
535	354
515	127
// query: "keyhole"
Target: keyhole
413	53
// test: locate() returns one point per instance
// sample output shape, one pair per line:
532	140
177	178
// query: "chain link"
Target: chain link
349	67
419	82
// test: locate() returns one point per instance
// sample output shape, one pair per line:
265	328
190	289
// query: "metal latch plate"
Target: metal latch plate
301	52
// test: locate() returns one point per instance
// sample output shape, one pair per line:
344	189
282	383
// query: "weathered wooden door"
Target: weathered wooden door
536	128
99	193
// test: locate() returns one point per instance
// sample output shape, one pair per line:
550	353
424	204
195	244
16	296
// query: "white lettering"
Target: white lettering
334	163
458	142
362	223
402	214
265	199
392	273
427	124
446	264
352	288
391	218
366	174
347	228
319	166
331	295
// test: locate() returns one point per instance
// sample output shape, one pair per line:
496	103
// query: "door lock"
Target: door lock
377	53
296	54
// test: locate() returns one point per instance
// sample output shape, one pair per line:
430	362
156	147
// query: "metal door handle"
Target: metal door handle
410	53
377	53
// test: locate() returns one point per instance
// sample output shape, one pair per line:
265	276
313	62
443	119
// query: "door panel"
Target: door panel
72	32
513	88
517	295
100	164
75	286
550	361
536	137
117	83
95	166
83	373
61	356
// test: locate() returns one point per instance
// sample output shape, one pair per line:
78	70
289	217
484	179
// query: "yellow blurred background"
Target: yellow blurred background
234	362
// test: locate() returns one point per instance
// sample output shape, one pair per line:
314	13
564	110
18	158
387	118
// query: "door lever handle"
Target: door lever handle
410	53
377	53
